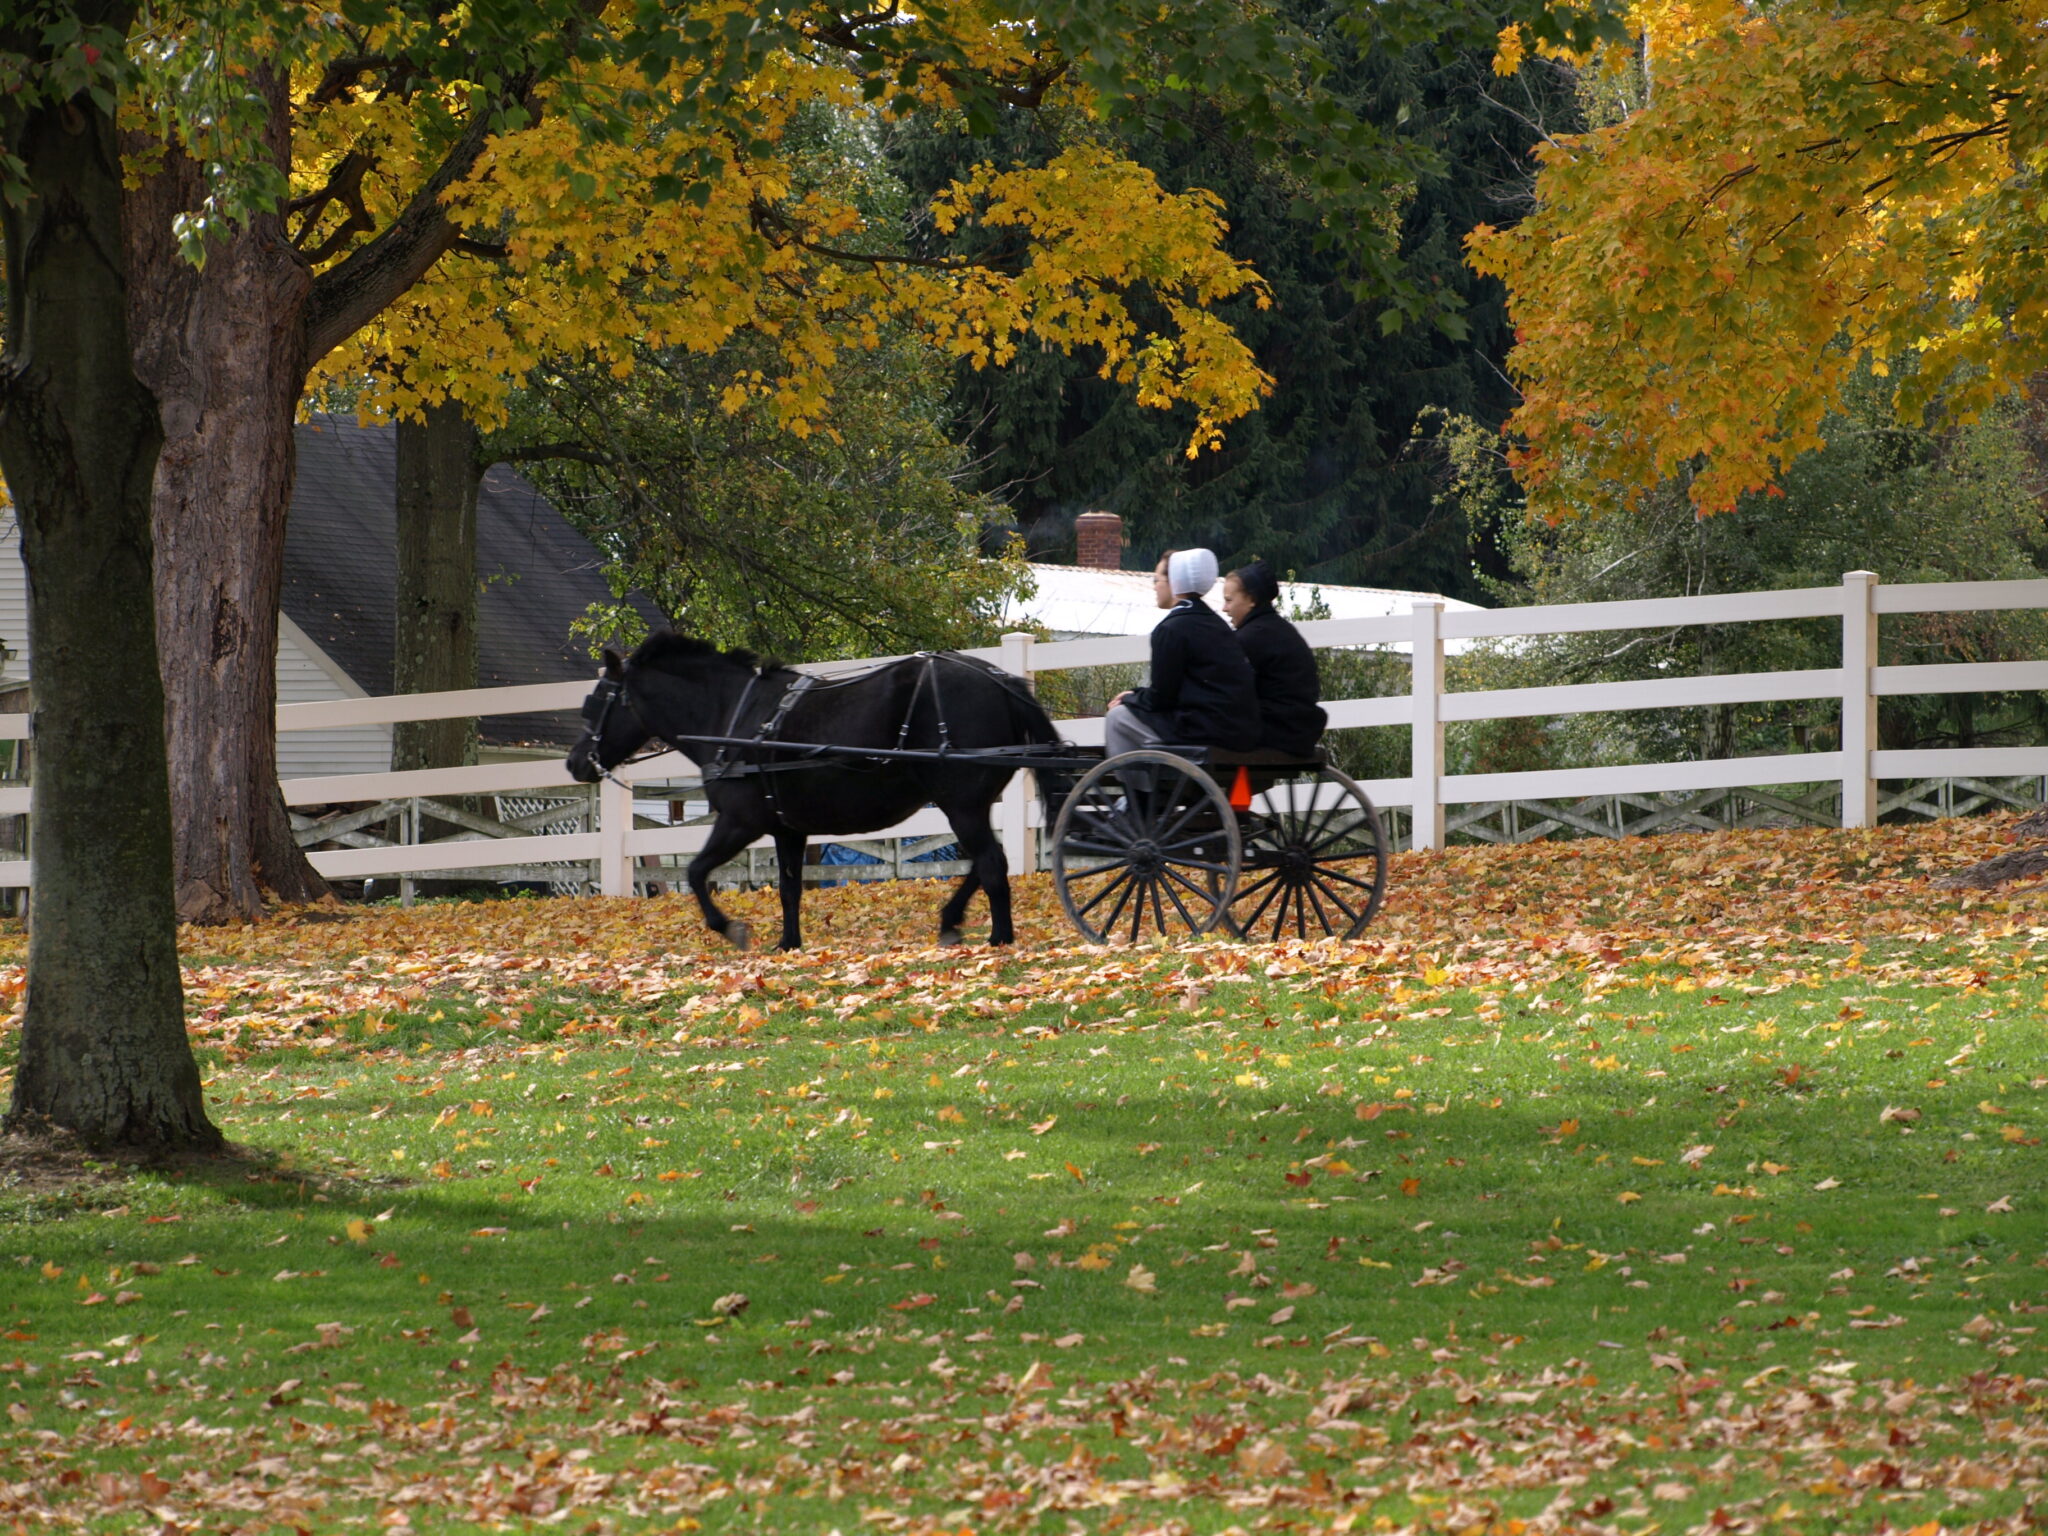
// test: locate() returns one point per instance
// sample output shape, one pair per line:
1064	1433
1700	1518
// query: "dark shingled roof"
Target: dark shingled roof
341	574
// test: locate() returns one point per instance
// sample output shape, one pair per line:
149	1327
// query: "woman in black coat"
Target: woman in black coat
1284	668
1202	692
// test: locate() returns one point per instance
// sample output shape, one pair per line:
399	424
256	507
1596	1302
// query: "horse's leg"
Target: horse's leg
789	881
728	836
979	842
954	912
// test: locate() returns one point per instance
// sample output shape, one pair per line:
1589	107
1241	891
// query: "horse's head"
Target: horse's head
612	732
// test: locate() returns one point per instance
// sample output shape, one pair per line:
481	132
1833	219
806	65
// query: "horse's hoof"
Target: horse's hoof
738	935
951	936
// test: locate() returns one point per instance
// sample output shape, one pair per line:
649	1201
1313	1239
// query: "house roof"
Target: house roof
1074	601
341	573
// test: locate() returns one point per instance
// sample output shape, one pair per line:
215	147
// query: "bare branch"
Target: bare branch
347	297
344	186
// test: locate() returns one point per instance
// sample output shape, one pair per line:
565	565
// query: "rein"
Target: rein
767	735
614	690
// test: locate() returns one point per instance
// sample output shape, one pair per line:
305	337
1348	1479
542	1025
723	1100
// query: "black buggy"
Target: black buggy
1186	841
1163	842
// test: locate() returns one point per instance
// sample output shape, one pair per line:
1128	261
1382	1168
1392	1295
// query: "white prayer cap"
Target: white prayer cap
1191	572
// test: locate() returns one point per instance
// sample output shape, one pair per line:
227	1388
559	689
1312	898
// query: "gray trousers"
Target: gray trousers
1125	729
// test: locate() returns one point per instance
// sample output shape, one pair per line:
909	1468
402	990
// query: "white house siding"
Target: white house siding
13	604
1079	602
304	675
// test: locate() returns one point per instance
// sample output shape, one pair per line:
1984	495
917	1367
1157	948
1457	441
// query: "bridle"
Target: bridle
610	691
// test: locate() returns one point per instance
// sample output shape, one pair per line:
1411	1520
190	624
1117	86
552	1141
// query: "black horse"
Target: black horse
683	692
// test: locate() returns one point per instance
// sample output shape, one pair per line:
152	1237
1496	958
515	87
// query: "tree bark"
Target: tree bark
103	1046
438	479
228	348
223	348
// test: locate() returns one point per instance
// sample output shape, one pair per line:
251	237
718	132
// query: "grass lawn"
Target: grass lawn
1687	1184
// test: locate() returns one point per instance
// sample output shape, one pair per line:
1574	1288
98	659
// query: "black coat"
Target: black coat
1201	690
1290	719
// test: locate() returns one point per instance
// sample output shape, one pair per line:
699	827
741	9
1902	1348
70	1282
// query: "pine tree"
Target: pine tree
1326	479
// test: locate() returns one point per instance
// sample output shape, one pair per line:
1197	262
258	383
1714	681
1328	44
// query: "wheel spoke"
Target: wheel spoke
1245	892
1209	864
1297	814
1122	875
1350	831
1193	841
1143	887
1337	900
1314	894
1317	821
1194	924
1300	915
1099	821
1181	820
1280	890
1109	923
1206	894
1338	874
1135	820
1108	850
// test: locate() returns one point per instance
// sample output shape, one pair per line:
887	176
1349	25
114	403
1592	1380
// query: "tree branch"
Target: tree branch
347	297
344	75
773	223
578	452
344	186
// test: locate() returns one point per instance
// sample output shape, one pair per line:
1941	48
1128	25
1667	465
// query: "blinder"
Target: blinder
597	704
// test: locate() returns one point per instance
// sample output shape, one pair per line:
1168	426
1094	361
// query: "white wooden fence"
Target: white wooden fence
615	845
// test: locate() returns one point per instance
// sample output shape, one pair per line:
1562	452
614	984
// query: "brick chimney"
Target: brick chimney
1099	541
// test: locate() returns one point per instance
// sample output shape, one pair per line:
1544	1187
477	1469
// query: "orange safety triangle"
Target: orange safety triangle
1241	791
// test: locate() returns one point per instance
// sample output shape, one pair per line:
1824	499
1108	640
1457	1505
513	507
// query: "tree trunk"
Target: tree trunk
229	348
438	478
103	1046
223	347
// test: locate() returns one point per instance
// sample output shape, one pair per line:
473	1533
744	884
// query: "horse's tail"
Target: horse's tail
1027	716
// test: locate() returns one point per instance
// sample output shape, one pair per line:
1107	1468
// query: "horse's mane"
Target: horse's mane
667	651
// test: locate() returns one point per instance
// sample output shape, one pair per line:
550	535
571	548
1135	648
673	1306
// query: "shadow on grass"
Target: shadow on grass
48	1172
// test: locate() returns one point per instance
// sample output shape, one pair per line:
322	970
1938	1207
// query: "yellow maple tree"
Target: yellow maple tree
1811	189
566	252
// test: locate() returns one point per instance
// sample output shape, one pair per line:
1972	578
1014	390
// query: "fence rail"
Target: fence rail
1839	785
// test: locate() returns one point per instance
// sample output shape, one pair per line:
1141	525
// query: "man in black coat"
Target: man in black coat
1290	718
1202	691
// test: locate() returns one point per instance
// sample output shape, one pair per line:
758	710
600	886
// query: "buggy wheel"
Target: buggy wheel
1145	845
1315	861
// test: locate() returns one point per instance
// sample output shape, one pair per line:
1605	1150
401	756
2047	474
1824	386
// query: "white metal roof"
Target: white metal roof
1076	601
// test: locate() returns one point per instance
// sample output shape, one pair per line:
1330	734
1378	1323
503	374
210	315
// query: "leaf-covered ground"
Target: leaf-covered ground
1685	1184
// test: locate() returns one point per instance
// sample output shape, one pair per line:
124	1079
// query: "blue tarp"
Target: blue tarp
839	853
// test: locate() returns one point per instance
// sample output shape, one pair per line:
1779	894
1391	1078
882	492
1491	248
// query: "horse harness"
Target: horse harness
766	734
736	757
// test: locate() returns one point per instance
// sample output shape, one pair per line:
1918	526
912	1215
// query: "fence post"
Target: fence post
1013	816
409	834
1859	698
614	824
1426	758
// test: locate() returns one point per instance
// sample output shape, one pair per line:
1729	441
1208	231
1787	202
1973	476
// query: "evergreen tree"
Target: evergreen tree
1322	480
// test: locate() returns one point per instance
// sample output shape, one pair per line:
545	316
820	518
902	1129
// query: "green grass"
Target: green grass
1152	1238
